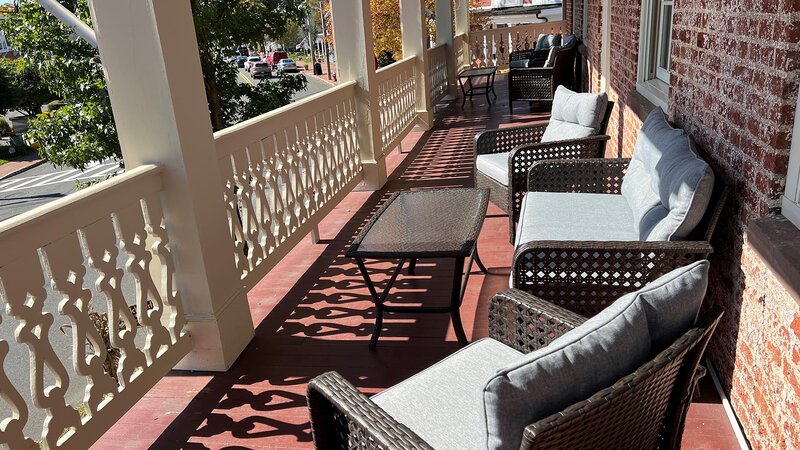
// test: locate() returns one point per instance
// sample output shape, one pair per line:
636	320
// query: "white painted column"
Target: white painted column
462	27
413	25
444	35
355	60
150	56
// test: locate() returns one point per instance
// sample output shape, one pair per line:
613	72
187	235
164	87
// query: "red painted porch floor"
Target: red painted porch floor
313	314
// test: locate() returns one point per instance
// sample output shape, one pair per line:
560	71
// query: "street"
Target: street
315	85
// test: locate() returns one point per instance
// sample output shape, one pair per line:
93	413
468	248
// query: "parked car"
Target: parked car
244	51
250	61
261	69
240	60
286	65
274	57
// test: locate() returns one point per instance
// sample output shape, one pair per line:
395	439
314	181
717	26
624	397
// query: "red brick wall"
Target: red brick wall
735	70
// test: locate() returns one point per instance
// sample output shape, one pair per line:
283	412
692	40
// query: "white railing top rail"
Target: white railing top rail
235	137
437	47
387	72
39	227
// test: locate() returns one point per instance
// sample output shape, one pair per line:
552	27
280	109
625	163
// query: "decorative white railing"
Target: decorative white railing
461	51
492	47
437	72
87	287
284	171
397	97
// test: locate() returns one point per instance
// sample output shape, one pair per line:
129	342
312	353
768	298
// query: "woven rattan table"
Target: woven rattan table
481	89
437	223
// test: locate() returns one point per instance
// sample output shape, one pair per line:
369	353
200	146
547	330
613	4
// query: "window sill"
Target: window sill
655	91
777	241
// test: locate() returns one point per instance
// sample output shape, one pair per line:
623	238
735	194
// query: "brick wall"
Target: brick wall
735	70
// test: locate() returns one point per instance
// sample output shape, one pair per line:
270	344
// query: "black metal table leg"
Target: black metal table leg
379	307
478	259
412	266
463	92
456	296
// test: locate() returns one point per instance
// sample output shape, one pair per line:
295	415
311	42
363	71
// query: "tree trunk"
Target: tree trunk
214	103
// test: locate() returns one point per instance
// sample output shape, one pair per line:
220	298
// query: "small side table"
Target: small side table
435	223
480	89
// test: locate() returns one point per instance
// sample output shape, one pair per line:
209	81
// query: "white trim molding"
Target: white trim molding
652	78
791	197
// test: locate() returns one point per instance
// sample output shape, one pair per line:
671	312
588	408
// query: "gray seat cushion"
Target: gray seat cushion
519	64
667	185
444	403
558	216
593	356
494	165
575	115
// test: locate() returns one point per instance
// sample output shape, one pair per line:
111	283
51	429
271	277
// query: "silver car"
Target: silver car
260	69
250	61
286	65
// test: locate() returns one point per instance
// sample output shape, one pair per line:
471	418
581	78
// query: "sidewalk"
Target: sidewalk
324	76
20	164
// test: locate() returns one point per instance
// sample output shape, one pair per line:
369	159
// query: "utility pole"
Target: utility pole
325	38
312	35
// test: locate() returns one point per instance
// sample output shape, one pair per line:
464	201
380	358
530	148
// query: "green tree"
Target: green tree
83	131
21	87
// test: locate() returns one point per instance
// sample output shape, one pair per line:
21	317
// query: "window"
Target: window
791	198
655	45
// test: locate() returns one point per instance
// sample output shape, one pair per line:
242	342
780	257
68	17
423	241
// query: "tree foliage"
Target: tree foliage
386	32
83	131
21	87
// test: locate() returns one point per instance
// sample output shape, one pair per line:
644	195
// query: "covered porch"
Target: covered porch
313	313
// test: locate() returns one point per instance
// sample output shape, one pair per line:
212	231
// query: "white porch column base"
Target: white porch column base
217	338
374	175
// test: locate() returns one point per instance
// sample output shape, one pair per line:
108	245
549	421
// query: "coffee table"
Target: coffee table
437	223
481	89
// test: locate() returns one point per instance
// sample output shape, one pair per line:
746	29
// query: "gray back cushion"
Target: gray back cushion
545	41
575	115
593	356
667	185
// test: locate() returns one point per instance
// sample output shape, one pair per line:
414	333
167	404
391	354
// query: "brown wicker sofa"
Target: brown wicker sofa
538	84
644	409
523	146
584	274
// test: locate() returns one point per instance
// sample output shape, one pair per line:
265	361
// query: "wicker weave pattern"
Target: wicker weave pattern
507	139
645	409
585	277
527	323
534	84
522	158
343	418
591	176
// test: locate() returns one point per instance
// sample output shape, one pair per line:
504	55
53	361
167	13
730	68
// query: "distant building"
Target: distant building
5	50
509	13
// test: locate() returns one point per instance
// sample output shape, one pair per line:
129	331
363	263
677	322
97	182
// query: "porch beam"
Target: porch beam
355	60
413	26
152	65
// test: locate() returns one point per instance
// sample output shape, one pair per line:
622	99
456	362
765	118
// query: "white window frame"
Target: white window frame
790	204
652	81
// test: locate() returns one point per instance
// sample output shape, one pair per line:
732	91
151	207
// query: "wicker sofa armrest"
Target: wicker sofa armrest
544	72
525	322
524	156
591	176
506	139
342	418
587	276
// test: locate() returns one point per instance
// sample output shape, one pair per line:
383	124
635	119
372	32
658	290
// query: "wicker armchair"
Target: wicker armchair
644	409
537	84
525	147
586	276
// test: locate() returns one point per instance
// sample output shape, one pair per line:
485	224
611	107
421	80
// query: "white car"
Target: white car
286	65
251	60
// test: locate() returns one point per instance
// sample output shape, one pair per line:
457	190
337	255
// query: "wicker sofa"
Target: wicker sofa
591	230
534	77
545	378
503	156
